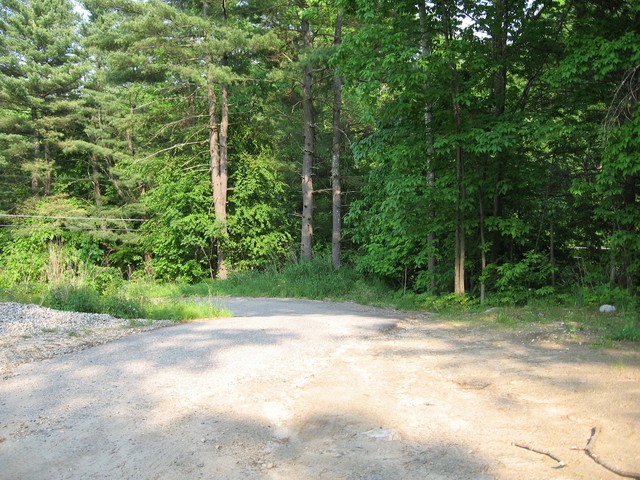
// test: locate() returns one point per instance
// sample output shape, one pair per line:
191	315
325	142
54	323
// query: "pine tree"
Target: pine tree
41	68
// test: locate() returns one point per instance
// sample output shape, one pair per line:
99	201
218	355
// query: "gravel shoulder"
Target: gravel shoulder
290	389
30	333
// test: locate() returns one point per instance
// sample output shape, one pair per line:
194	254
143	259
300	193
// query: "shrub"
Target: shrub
73	298
121	307
630	331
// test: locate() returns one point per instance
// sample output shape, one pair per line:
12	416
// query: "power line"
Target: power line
95	229
77	179
48	217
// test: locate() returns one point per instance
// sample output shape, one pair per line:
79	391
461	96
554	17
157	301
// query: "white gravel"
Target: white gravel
31	332
17	319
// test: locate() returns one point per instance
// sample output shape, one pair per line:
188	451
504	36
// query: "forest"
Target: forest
486	150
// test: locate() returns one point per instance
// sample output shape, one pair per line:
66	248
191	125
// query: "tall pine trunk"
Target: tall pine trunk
218	155
499	36
336	234
459	248
428	126
219	206
306	249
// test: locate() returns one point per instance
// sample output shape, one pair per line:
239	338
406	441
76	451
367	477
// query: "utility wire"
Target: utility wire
95	229
48	217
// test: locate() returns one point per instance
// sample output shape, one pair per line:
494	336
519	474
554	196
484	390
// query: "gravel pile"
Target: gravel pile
17	319
30	332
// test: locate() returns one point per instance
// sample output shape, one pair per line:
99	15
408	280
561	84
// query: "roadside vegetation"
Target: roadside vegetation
137	301
576	308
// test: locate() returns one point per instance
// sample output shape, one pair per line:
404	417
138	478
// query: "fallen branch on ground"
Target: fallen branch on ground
594	457
542	452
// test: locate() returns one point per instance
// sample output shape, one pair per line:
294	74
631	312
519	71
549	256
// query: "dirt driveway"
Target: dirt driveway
305	390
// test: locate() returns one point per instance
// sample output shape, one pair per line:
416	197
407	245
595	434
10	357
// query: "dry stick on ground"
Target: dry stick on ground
594	457
542	452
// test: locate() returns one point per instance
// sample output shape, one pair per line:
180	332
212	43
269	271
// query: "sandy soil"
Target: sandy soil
299	390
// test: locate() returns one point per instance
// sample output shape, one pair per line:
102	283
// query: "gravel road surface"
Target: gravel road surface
290	389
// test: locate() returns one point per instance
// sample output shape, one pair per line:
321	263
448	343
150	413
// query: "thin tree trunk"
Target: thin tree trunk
499	37
129	131
336	234
308	154
428	122
48	167
552	251
483	253
36	150
460	252
147	257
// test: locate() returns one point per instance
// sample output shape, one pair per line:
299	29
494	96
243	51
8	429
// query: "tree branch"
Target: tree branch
594	457
542	452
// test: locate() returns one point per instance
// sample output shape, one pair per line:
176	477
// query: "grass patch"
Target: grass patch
131	302
315	280
183	311
630	331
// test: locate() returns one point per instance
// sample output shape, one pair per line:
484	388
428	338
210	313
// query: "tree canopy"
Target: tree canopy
485	148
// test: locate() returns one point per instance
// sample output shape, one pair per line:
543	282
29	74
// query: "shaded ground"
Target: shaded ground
297	389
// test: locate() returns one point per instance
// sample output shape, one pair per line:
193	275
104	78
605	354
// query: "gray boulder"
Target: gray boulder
607	309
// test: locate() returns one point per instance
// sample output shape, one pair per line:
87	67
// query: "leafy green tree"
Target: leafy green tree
606	51
258	227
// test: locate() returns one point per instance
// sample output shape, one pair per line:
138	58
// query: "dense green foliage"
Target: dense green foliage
489	148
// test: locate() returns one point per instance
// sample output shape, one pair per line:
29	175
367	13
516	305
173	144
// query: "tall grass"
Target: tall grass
317	279
121	304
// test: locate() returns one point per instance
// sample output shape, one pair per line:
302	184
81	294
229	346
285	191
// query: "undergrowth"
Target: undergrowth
577	309
137	308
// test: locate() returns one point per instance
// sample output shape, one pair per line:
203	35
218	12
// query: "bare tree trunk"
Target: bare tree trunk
552	251
218	155
147	257
309	150
460	251
428	121
483	253
216	179
36	150
129	131
221	206
336	235
499	86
